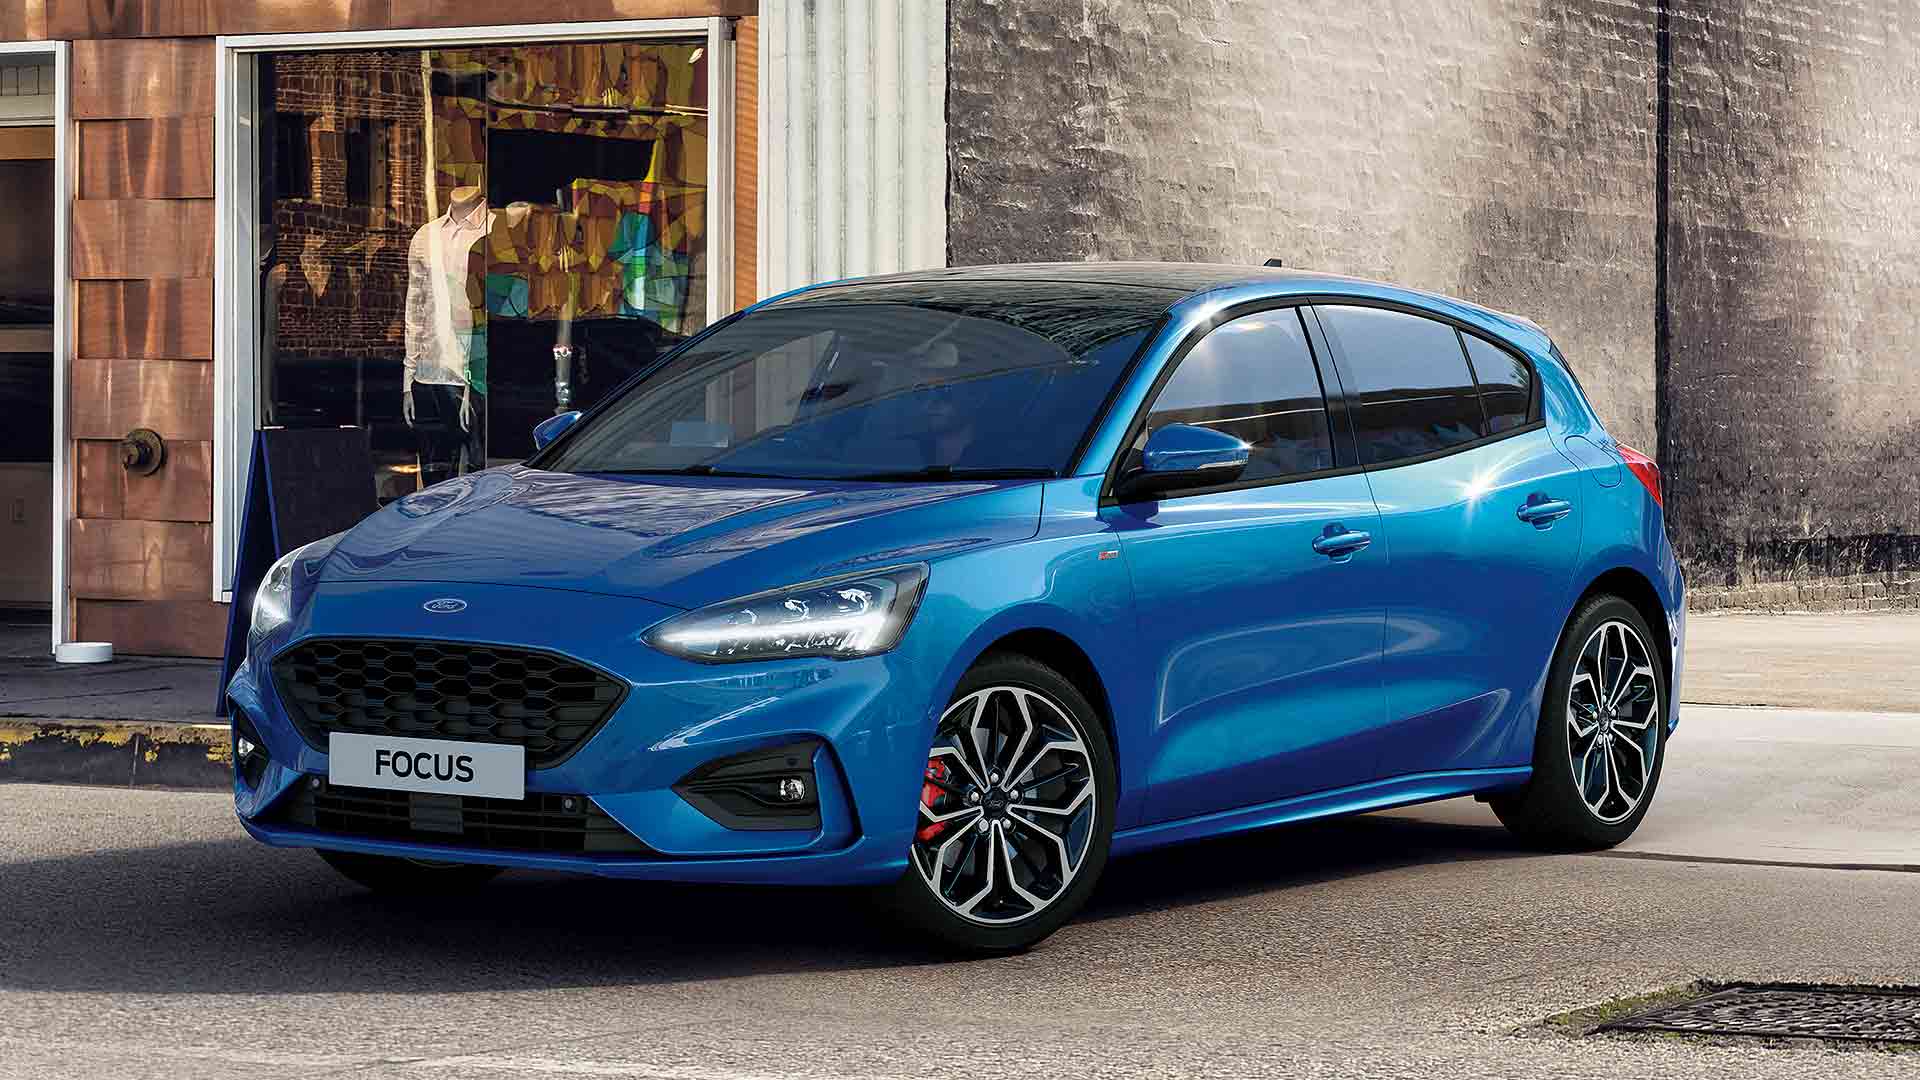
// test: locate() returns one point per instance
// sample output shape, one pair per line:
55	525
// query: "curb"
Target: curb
116	753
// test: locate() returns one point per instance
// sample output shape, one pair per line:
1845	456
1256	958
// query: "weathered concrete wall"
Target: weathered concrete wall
1500	150
1792	448
1505	150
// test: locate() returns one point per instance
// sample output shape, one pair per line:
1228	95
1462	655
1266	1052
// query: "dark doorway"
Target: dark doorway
26	366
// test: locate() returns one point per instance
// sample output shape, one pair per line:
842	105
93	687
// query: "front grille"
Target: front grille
559	824
444	690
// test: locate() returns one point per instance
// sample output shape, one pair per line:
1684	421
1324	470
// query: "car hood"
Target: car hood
678	540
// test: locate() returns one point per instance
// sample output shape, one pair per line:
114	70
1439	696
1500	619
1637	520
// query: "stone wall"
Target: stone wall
1506	151
1792	448
1500	150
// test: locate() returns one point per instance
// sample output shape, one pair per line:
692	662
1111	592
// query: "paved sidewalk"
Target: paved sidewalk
134	721
1786	787
143	688
1846	663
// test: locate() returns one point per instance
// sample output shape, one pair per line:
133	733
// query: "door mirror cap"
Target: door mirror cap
1182	456
552	428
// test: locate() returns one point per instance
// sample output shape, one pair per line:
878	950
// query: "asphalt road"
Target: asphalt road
142	935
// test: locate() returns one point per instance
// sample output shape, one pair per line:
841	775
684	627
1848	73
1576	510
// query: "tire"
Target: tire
1046	843
1557	810
393	876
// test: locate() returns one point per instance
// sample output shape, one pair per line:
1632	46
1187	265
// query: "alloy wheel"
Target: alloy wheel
1007	806
1613	705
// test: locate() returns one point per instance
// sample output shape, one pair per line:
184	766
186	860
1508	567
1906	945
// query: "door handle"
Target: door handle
1338	545
1541	511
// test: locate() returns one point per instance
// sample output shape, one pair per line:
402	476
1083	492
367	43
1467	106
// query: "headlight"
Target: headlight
842	617
273	600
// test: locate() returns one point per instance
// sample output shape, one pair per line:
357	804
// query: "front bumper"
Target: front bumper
871	717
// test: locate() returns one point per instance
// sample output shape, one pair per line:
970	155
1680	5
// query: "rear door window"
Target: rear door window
1506	384
1255	378
1408	380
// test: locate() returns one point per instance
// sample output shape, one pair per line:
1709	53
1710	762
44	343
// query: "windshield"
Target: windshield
884	390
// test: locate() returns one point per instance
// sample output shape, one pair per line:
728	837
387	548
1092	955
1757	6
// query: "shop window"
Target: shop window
540	235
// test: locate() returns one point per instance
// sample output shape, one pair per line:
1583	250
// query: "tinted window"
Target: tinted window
1506	384
874	391
1410	377
1253	377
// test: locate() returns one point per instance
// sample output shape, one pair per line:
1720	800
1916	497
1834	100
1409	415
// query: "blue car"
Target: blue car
957	583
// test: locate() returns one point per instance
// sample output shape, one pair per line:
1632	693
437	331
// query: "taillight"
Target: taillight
1644	467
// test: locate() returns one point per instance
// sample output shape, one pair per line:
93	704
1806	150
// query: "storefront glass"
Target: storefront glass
457	243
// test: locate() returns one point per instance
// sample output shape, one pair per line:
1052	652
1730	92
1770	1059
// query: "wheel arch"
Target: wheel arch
1635	588
1054	645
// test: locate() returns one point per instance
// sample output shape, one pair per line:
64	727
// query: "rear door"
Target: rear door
1482	517
1266	652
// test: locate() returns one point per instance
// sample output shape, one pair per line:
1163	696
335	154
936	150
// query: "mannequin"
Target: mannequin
446	364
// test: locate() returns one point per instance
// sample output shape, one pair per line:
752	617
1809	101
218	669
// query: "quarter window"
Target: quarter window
1506	384
1409	378
1253	377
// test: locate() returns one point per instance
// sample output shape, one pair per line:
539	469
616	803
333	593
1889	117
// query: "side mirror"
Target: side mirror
552	428
1185	455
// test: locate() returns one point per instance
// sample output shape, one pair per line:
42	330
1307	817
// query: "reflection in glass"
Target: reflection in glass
1415	393
458	243
1253	378
882	390
1506	384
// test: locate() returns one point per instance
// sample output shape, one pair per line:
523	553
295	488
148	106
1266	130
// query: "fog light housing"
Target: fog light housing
250	755
760	790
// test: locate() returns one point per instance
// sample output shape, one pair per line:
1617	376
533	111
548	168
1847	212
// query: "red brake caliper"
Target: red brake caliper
931	796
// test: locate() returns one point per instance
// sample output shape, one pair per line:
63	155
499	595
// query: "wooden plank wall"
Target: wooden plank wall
141	253
746	161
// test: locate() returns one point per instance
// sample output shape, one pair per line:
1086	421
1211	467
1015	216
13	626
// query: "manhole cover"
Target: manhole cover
1795	1012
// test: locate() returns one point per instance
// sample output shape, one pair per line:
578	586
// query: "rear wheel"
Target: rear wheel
1015	814
408	877
1602	737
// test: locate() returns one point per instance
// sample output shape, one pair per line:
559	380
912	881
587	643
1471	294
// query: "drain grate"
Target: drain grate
1774	1010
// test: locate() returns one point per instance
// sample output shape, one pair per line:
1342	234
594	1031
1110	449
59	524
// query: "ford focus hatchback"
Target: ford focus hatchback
956	584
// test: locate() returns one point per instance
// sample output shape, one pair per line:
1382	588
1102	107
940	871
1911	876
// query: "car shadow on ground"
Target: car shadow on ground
233	916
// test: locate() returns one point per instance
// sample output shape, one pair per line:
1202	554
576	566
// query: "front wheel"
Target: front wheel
1602	736
1015	812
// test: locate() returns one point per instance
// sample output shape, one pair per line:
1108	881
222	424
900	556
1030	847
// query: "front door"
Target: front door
1267	648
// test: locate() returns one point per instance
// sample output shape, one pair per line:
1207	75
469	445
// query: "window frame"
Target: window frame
1332	391
1535	419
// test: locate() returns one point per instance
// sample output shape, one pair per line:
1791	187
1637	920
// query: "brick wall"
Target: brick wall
346	288
1498	149
1505	150
1793	445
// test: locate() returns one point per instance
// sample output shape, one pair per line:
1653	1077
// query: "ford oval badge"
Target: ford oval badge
446	605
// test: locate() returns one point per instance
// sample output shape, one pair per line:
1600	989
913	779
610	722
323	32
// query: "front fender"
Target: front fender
1074	586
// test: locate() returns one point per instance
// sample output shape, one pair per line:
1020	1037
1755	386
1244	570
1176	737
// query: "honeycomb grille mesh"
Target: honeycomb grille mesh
441	690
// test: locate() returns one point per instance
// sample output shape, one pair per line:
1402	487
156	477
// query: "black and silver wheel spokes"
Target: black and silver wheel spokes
1007	807
1613	705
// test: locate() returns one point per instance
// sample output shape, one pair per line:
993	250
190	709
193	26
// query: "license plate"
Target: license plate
438	766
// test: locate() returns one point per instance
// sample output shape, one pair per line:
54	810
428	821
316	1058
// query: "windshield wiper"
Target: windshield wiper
956	472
